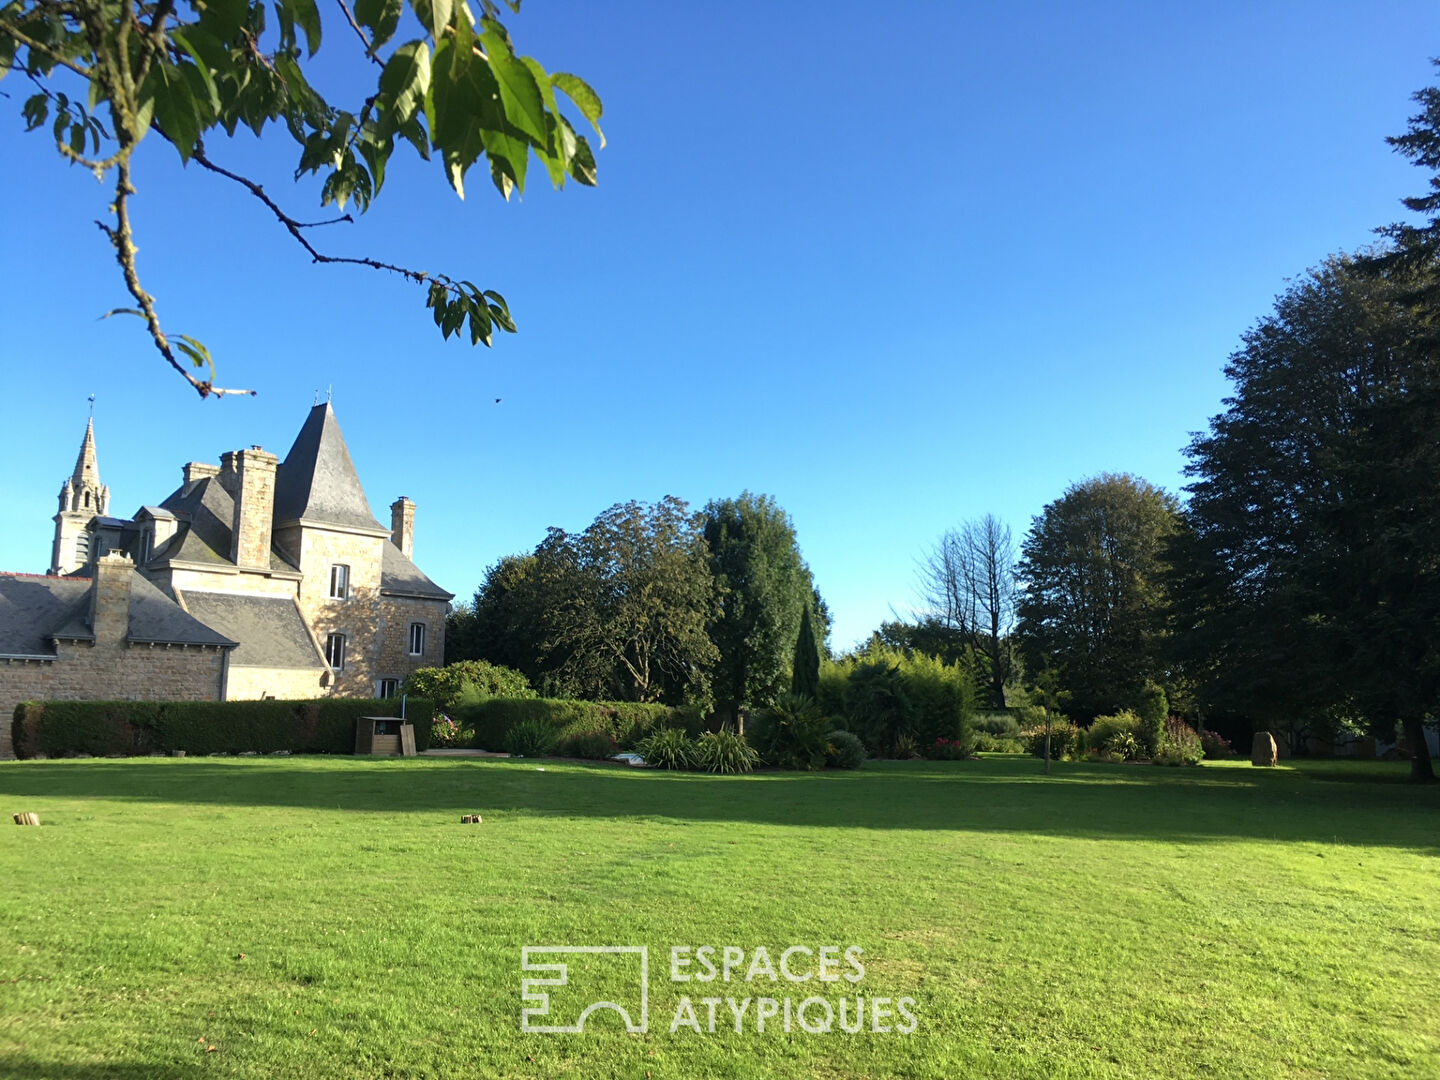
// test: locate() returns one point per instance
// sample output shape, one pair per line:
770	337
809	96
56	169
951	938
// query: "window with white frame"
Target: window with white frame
335	652
417	639
388	688
339	581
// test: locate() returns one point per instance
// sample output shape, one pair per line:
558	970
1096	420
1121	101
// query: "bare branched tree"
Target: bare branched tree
967	582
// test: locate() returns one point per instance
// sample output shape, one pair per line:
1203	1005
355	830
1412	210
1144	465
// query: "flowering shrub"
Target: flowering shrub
445	732
1216	745
1179	745
943	749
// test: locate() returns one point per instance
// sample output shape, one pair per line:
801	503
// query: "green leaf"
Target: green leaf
223	18
198	353
404	83
524	107
35	110
202	67
585	99
582	166
175	107
307	15
434	15
124	311
380	17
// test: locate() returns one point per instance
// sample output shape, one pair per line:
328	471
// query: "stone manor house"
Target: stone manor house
254	578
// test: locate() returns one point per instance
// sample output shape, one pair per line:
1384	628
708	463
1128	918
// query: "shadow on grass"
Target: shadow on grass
16	1067
1217	802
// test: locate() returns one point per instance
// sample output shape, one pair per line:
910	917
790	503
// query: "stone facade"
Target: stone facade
275	562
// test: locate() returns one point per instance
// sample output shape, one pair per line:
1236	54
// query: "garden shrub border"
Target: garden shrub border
137	728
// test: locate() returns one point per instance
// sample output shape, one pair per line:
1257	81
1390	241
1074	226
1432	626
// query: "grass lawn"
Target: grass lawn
312	917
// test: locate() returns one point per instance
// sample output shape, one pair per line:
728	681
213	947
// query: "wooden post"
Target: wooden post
1047	742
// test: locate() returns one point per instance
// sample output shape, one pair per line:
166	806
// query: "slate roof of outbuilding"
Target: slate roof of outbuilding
269	628
32	606
35	610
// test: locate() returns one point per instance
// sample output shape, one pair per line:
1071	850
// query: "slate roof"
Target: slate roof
269	628
401	577
35	610
31	607
317	482
206	511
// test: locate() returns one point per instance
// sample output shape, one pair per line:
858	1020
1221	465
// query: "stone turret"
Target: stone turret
82	499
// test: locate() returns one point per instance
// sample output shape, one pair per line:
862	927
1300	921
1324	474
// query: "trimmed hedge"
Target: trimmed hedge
626	722
101	728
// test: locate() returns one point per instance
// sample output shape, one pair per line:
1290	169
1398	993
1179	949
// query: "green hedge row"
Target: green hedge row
101	728
627	722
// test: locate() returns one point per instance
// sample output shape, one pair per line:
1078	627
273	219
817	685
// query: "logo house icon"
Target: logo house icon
550	960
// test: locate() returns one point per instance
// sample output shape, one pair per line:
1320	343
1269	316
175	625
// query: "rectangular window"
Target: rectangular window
335	652
417	639
389	688
339	581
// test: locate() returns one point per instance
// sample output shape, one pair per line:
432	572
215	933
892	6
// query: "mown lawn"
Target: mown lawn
332	917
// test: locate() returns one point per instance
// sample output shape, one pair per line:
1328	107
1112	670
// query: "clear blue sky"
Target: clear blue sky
897	266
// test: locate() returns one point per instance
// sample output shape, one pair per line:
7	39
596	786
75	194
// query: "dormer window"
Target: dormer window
339	581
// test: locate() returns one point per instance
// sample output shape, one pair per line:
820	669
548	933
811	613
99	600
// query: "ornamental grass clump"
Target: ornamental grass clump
725	752
667	749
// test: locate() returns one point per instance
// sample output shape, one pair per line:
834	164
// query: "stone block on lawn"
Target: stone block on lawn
1262	750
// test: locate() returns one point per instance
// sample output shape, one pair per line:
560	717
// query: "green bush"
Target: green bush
530	738
669	748
1066	740
995	744
592	745
445	732
1122	746
791	734
1179	745
724	752
471	680
60	728
1105	730
627	722
844	750
1154	710
1000	725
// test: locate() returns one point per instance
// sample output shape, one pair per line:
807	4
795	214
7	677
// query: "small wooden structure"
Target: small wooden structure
382	735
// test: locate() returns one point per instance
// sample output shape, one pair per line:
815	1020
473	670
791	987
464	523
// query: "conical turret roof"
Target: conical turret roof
317	482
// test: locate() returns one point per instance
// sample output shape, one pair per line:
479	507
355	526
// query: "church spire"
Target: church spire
82	497
87	465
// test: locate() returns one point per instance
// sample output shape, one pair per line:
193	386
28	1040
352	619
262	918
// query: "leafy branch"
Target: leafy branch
460	92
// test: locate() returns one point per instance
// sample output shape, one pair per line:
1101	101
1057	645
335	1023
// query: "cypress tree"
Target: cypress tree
805	678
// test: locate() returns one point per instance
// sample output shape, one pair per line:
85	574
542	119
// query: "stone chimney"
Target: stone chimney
196	471
251	476
110	599
402	526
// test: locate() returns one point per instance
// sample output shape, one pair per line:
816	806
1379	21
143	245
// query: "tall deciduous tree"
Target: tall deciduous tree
968	582
637	595
108	73
1093	599
763	587
1311	581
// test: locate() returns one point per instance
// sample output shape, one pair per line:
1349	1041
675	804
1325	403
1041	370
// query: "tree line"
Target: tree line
652	602
1297	588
